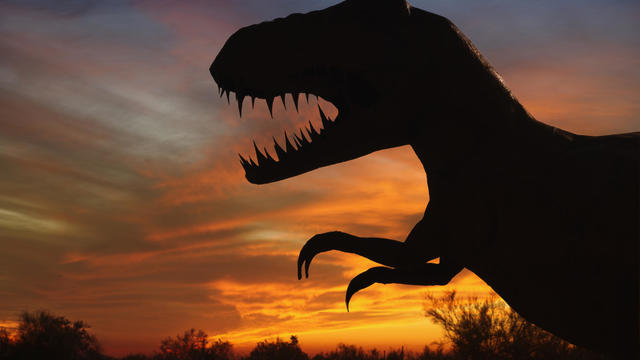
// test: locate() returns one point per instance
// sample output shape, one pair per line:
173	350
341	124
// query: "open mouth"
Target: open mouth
304	150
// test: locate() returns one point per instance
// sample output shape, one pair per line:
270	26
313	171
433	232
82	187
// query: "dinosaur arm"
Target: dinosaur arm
383	251
416	249
418	274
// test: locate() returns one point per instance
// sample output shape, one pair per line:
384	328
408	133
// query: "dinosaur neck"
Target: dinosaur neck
477	125
486	133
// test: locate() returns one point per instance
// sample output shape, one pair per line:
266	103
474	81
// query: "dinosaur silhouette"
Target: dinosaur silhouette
549	219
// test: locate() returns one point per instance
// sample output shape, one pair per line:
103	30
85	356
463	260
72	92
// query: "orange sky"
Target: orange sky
122	201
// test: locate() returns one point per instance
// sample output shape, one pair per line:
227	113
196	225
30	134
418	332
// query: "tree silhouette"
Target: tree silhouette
490	329
42	335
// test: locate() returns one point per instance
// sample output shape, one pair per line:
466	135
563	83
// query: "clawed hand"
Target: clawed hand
403	267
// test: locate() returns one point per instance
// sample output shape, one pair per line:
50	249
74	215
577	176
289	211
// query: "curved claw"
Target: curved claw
304	258
314	246
301	259
366	279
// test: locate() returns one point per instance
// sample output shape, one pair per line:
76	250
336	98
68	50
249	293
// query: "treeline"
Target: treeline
474	330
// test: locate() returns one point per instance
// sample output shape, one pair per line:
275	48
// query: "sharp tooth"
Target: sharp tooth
243	161
251	162
284	104
304	138
270	105
239	99
297	140
279	151
287	144
259	155
295	99
312	131
325	122
268	155
220	91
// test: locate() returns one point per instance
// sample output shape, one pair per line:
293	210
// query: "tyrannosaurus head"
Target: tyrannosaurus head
366	57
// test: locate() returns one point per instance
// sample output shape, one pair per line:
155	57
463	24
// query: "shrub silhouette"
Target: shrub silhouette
6	344
474	330
135	357
220	350
278	350
348	352
193	345
490	329
352	352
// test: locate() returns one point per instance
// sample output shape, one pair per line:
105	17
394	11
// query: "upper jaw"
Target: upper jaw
313	148
269	84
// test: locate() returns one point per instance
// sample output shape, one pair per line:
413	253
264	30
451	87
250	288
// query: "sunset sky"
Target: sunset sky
123	203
